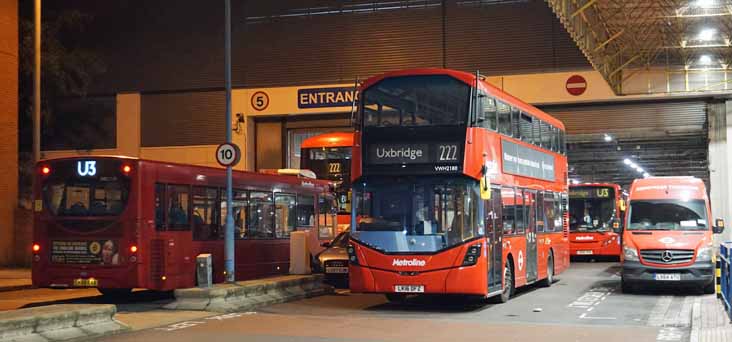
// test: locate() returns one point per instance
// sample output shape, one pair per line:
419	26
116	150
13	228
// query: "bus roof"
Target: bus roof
335	139
685	187
469	79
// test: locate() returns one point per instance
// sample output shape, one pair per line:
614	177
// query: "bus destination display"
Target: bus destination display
590	192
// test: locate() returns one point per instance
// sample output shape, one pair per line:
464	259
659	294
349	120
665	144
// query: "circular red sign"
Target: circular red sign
576	85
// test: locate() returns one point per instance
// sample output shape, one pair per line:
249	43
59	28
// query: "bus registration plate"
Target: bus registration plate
668	276
409	288
584	252
90	282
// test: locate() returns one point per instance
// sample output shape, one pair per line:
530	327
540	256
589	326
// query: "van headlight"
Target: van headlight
704	254
630	253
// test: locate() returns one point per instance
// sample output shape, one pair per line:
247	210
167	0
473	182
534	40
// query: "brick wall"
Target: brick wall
8	128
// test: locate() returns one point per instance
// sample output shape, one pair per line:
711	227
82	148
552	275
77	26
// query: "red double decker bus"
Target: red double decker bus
328	155
459	187
118	223
595	216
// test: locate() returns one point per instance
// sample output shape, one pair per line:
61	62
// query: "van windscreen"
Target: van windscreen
667	215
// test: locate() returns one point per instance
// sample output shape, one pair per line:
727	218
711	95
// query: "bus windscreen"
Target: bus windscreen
591	208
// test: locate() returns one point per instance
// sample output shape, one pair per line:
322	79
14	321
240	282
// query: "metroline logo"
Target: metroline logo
584	238
406	262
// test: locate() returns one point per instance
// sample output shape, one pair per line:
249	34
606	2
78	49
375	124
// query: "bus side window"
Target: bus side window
305	211
285	215
204	214
508	201
549	212
537	132
179	207
261	215
539	209
490	118
515	123
159	206
504	118
562	142
240	205
526	128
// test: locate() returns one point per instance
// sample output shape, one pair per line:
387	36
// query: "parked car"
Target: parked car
333	261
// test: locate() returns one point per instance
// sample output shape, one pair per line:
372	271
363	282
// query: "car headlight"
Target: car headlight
630	253
704	254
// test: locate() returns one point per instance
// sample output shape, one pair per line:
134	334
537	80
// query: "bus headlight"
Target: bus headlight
704	254
472	255
630	253
352	258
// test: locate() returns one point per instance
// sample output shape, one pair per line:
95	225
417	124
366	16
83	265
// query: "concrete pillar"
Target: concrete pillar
720	149
8	129
128	124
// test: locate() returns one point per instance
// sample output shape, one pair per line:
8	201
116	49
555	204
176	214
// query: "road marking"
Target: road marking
190	324
670	334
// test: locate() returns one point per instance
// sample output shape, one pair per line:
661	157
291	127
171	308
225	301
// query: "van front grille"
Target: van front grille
667	256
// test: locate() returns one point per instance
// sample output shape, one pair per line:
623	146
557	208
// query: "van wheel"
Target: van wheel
396	297
508	287
710	289
546	282
115	293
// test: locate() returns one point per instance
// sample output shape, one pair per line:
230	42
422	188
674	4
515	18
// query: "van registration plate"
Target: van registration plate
668	276
409	288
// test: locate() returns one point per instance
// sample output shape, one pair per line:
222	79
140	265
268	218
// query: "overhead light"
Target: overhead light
632	165
646	175
608	138
705	60
575	182
640	169
627	161
707	34
704	3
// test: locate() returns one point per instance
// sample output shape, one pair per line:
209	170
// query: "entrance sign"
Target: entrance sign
228	154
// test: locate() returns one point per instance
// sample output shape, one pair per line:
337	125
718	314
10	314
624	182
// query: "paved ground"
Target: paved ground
585	305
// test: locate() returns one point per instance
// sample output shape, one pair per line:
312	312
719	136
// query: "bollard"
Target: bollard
718	277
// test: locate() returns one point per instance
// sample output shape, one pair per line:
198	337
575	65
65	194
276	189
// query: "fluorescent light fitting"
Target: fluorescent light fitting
627	161
707	34
704	3
646	175
705	60
608	138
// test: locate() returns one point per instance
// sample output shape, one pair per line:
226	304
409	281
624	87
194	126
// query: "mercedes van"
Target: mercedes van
668	234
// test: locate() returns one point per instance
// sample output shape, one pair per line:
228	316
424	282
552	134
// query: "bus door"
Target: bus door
531	255
494	234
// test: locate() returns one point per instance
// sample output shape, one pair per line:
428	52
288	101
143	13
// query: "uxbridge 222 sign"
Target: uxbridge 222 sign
446	156
325	97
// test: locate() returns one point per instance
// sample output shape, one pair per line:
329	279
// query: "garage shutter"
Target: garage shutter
664	138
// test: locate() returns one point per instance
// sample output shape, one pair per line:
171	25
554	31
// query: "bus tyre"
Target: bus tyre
546	282
115	292
396	297
508	287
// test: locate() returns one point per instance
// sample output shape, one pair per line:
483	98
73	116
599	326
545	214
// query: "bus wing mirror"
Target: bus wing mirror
485	189
718	226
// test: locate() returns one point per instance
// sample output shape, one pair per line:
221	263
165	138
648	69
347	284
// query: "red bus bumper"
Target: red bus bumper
470	280
612	249
116	277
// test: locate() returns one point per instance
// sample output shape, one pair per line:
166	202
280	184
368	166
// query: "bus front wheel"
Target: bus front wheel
508	286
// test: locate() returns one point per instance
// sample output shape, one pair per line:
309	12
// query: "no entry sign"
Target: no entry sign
576	85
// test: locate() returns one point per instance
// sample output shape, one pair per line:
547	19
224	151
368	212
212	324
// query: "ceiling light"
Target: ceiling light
707	34
646	175
705	60
704	3
608	138
627	161
632	165
640	169
575	182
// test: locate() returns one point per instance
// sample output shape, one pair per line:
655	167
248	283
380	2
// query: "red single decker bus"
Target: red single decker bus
459	187
595	213
119	223
328	155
